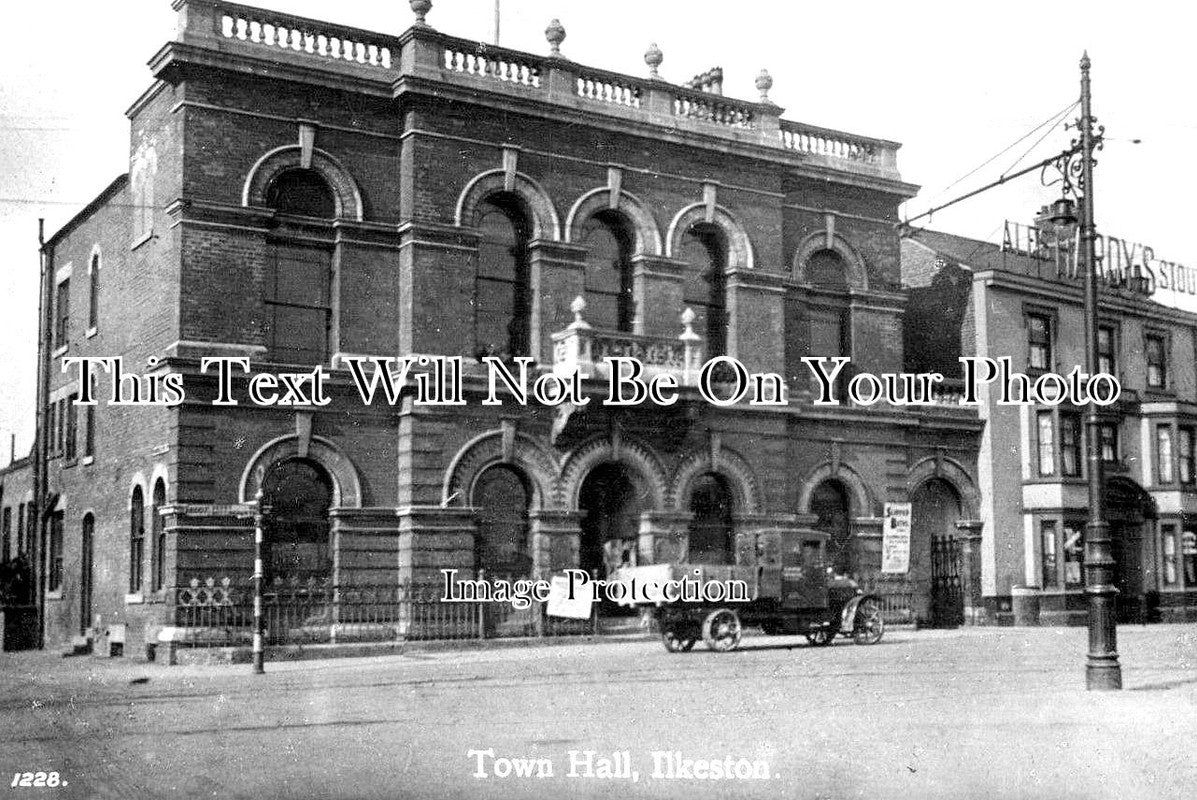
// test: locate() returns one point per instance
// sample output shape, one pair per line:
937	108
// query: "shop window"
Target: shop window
503	307
1163	453
297	546
705	288
1188	552
54	554
1171	574
1107	359
1047	455
610	302
1039	341
1074	554
1186	439
1157	361
1050	560
1070	444
711	527
136	540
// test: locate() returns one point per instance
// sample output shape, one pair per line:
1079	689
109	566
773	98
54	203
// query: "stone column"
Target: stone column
558	275
664	537
755	314
866	544
556	537
432	538
658	289
968	531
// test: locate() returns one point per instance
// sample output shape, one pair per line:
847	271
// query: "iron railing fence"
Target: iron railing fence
216	613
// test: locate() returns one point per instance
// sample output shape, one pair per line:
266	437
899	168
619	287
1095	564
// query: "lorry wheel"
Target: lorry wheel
676	643
721	630
822	637
870	627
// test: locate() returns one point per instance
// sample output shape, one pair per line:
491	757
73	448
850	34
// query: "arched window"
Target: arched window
296	495
610	302
93	298
704	249
158	536
827	270
503	305
136	540
829	502
502	498
711	528
299	276
303	192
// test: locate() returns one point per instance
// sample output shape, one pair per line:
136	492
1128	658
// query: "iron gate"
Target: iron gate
947	591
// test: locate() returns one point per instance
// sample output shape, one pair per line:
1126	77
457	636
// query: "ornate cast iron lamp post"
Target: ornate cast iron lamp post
1102	670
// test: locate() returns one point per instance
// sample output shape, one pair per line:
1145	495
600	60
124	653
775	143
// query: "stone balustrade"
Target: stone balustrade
422	52
581	348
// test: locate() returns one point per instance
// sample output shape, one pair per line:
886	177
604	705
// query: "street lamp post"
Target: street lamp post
259	577
1102	670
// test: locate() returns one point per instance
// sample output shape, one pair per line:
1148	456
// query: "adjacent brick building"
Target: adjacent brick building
973	298
300	193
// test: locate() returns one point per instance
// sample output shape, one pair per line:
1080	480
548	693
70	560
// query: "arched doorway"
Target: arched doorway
711	528
1131	513
935	579
611	501
297	494
829	503
502	498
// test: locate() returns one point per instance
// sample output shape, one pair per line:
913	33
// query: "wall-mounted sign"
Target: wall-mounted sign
1120	262
895	539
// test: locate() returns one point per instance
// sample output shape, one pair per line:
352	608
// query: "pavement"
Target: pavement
993	712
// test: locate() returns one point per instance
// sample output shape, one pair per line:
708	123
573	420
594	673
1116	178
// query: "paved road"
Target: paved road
999	713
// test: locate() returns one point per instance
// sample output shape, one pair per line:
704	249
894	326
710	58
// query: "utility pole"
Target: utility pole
1102	671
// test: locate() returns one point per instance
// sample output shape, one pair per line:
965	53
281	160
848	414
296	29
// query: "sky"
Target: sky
956	82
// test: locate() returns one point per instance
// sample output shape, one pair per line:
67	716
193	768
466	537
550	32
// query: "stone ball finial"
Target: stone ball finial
764	82
555	33
421	8
577	307
653	57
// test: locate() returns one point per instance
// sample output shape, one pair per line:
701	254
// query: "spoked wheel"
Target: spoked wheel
821	637
721	630
870	627
676	642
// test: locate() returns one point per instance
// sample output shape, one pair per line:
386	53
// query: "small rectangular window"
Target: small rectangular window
1074	554
1187	437
6	542
1109	442
1070	444
1047	455
54	554
62	313
1107	360
1163	452
1157	361
1047	536
72	427
1171	574
1188	553
93	295
20	528
1039	333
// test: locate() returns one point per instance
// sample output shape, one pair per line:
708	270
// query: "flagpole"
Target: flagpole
496	21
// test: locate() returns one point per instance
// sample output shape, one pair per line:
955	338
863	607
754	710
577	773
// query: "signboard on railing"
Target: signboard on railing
895	539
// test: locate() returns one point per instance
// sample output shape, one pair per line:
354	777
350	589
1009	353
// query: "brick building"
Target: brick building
300	193
1023	300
